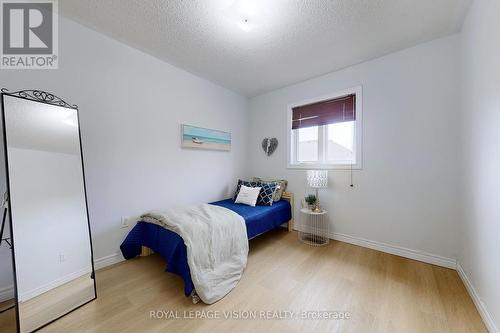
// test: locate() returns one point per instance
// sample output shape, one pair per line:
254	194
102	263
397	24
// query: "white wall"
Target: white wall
479	246
131	107
406	193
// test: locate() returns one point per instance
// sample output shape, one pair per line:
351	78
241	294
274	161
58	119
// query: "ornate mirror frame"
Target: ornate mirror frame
40	96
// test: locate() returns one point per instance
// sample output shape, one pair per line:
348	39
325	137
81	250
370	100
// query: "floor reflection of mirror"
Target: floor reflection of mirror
52	304
7	316
6	305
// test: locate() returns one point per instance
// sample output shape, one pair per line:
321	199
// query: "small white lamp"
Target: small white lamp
317	179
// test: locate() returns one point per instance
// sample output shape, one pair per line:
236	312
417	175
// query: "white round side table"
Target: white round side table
314	228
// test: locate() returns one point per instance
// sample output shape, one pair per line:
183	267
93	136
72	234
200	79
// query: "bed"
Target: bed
146	238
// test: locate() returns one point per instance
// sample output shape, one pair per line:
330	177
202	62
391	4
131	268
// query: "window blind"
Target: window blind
327	112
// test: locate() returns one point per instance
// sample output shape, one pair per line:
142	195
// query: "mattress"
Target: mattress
260	219
170	246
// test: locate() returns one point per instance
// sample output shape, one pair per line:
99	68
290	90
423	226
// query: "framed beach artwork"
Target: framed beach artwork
204	138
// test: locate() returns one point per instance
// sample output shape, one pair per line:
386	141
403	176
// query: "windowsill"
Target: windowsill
324	166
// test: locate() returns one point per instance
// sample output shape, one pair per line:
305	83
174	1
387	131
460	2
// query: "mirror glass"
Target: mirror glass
50	229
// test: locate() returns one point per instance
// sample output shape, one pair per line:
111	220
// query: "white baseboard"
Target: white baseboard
397	250
108	260
481	308
393	249
6	293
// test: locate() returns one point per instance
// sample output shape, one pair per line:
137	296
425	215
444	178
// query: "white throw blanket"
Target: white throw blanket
216	242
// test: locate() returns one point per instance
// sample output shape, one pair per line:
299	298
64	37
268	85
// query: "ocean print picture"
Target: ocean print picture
204	138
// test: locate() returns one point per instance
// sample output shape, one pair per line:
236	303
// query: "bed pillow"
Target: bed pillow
248	195
283	183
267	192
247	184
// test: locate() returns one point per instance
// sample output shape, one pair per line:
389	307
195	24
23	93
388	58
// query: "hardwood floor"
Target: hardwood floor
7	316
382	293
52	304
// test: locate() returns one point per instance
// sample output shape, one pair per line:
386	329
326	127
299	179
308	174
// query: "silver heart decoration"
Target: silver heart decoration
269	145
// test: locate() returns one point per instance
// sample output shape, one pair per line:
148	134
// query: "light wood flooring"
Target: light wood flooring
7	317
382	292
52	304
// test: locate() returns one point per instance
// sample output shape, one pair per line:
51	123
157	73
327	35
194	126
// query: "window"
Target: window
326	132
307	144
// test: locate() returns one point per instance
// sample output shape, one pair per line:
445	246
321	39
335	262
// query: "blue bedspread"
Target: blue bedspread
260	219
171	247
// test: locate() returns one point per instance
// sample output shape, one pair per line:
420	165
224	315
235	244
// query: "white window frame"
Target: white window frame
292	162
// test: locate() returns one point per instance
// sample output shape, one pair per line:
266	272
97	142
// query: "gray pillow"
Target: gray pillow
282	184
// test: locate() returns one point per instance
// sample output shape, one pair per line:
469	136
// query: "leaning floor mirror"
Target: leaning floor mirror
47	246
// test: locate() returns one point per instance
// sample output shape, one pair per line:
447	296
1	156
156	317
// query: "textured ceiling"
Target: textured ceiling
289	40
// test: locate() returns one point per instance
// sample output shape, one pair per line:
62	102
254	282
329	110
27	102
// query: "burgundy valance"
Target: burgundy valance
327	112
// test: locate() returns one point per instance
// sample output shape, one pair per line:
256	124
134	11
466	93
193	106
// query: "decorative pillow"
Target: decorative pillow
283	183
246	183
248	195
266	195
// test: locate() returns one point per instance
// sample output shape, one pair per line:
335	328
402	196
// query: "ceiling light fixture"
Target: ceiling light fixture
245	25
243	13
